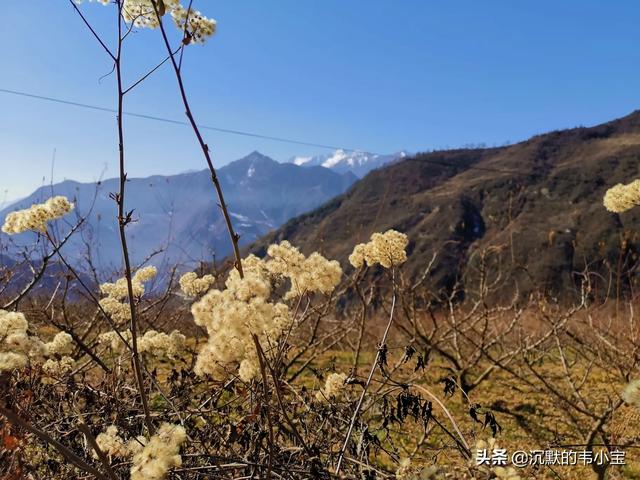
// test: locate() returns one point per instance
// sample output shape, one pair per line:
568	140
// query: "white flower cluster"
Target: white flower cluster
118	311
621	198
112	444
388	249
118	290
160	454
232	315
18	348
59	368
36	217
113	340
157	344
153	458
160	345
631	393
405	470
143	15
116	293
307	274
193	286
244	308
333	388
198	27
61	344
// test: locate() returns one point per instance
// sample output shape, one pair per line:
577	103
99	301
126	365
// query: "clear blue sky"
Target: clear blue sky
378	75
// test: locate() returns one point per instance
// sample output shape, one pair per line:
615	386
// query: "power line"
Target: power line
176	122
237	132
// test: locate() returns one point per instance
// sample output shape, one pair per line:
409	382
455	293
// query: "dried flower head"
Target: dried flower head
18	348
404	471
388	249
196	27
145	274
117	310
62	344
160	454
114	341
333	388
119	290
12	323
11	361
111	443
193	286
246	308
35	218
631	393
161	345
115	304
114	446
312	274
231	316
59	368
621	198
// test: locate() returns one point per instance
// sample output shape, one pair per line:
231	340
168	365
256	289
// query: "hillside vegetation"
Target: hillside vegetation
535	207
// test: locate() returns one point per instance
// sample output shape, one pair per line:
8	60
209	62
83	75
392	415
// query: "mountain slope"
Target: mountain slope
536	206
180	214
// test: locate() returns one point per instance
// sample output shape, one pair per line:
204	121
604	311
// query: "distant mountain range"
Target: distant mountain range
534	209
179	214
341	161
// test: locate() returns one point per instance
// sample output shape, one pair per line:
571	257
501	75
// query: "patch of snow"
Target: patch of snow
301	160
337	157
251	171
242	218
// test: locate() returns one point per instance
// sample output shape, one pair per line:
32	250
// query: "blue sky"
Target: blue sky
378	75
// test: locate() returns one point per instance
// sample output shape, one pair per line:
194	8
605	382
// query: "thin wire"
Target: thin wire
242	132
176	122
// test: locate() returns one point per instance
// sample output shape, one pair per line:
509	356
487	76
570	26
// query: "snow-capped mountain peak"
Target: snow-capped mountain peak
340	156
358	162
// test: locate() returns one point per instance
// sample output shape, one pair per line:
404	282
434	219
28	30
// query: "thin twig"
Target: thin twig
86	22
101	455
205	148
354	418
123	220
45	437
265	387
453	422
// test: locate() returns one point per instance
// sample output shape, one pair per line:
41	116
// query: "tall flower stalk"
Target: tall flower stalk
187	38
124	218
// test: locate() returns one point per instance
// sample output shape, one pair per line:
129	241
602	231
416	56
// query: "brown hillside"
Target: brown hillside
538	203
